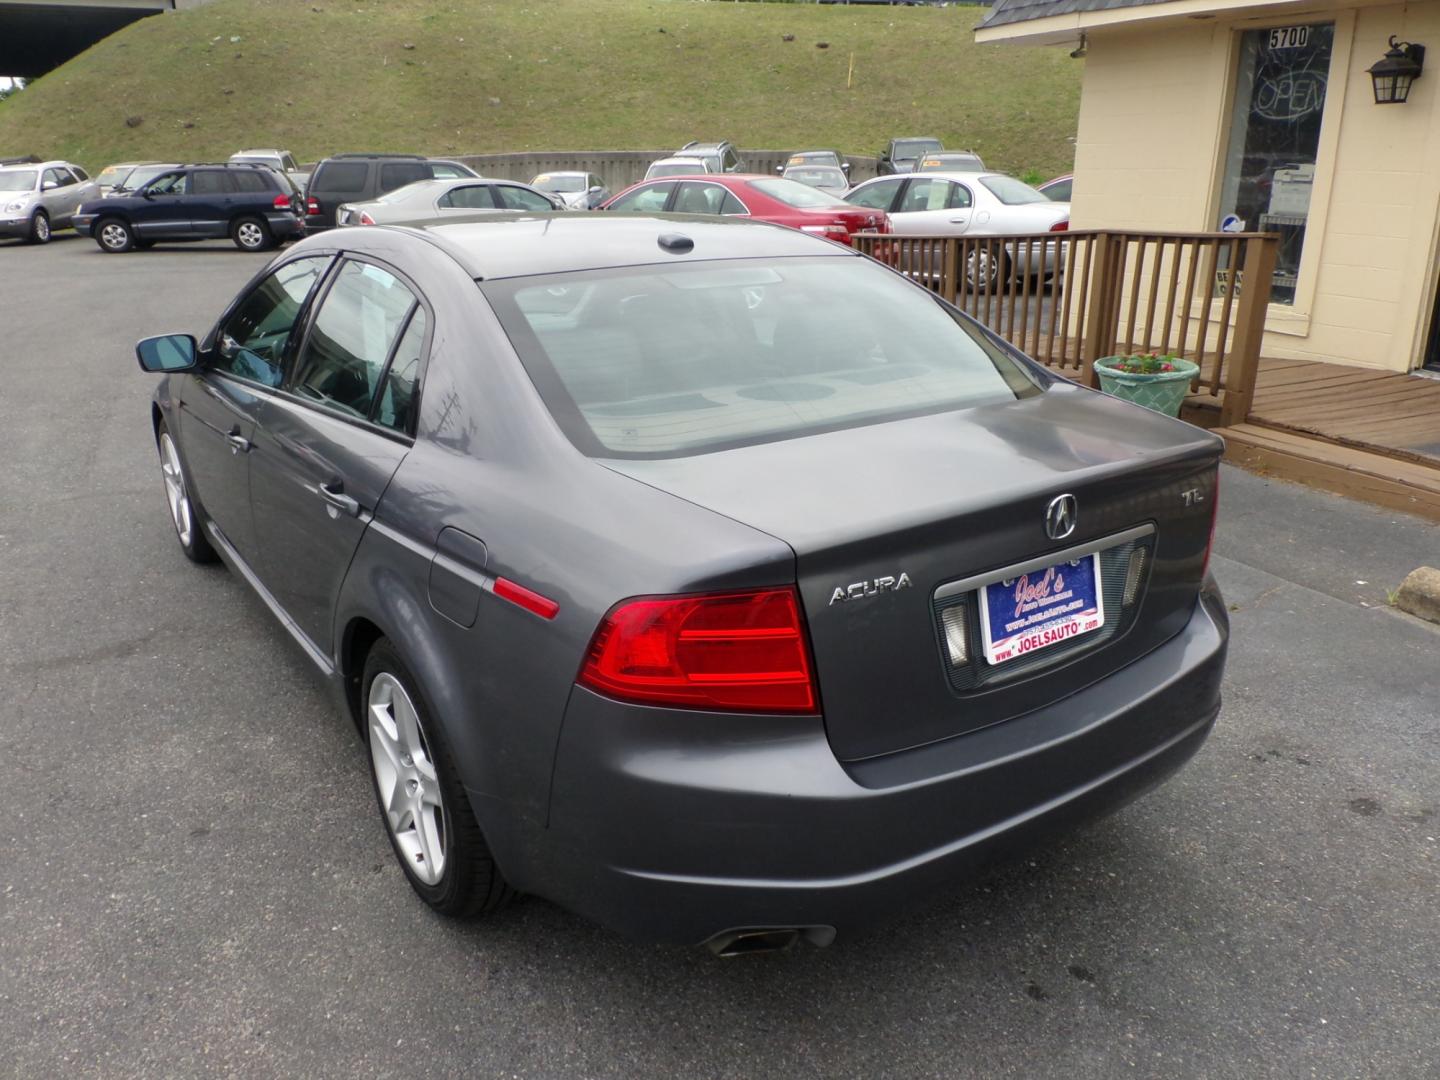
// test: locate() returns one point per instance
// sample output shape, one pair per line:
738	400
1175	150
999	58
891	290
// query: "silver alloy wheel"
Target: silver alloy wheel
114	236
42	228
982	271
250	234
405	777
175	493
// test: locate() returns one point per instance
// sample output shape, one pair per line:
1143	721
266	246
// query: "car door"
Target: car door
241	364
932	206
334	436
209	202
58	189
161	212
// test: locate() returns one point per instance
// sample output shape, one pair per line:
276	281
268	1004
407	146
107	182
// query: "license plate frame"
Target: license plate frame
1036	611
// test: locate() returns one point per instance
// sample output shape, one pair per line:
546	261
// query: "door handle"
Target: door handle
334	495
958	220
238	443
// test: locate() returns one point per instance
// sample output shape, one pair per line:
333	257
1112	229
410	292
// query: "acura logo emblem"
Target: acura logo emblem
1060	517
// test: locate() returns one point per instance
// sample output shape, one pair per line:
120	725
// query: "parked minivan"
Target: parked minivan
351	178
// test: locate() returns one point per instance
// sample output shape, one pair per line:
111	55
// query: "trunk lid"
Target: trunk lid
945	501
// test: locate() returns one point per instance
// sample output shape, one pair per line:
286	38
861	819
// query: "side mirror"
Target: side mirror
846	166
596	190
169	352
49	185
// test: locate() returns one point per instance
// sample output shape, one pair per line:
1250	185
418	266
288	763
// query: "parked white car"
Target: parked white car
35	200
972	204
435	200
676	166
578	190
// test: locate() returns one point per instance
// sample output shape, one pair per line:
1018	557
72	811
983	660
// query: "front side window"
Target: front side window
351	337
169	184
518	198
252	341
677	360
52	176
645	200
878	196
469	197
1275	140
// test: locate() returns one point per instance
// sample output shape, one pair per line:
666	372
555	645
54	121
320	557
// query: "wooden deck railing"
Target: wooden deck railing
1070	298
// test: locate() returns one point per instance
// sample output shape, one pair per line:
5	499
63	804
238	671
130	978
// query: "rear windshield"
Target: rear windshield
797	195
1012	192
676	168
341	177
912	148
670	361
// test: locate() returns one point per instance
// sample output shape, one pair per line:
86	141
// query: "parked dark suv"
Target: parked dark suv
253	205
353	178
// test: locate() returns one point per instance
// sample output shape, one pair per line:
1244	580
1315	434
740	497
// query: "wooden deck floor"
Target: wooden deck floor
1384	412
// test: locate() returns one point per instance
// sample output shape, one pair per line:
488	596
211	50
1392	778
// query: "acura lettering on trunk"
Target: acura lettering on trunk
562	509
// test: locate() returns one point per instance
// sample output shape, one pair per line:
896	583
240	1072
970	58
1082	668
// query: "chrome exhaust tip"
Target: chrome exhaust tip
766	939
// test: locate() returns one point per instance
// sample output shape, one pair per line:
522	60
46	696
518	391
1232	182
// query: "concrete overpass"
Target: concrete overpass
37	36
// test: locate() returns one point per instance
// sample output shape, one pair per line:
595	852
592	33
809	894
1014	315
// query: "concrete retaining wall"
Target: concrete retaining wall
621	168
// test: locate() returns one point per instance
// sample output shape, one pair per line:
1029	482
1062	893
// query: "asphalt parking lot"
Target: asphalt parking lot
194	879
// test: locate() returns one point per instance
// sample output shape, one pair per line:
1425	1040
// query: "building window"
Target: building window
1275	138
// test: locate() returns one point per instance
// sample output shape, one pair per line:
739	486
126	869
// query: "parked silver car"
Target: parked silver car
972	204
436	200
279	160
35	200
579	190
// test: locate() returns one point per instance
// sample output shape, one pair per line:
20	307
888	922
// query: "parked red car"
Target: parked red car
764	198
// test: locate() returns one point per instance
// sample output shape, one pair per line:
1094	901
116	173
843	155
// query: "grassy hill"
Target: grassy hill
457	76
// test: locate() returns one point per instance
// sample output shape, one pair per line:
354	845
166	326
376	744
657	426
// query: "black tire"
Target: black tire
143	245
470	884
193	540
114	235
39	232
251	234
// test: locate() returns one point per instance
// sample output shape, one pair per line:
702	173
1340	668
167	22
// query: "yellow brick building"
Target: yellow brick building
1197	114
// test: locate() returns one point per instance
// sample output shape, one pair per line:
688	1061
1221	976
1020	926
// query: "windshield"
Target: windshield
678	168
822	177
113	174
913	148
814	157
679	360
142	175
1012	192
797	195
559	182
17	179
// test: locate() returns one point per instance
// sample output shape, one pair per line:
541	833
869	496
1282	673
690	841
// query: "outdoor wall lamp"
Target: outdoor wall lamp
1394	74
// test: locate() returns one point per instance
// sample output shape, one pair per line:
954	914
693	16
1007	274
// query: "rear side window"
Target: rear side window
249	181
252	341
1012	192
341	177
209	182
469	197
669	361
399	390
351	338
396	174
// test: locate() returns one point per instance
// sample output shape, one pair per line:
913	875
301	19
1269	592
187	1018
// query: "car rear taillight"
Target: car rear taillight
732	651
1061	226
282	202
312	205
364	219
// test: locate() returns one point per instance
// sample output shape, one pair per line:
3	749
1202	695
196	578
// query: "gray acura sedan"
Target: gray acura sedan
703	576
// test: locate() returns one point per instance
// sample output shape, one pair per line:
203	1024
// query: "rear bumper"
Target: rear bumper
675	826
285	226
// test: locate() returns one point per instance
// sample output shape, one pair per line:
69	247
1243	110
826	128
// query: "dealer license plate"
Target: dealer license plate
1036	611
